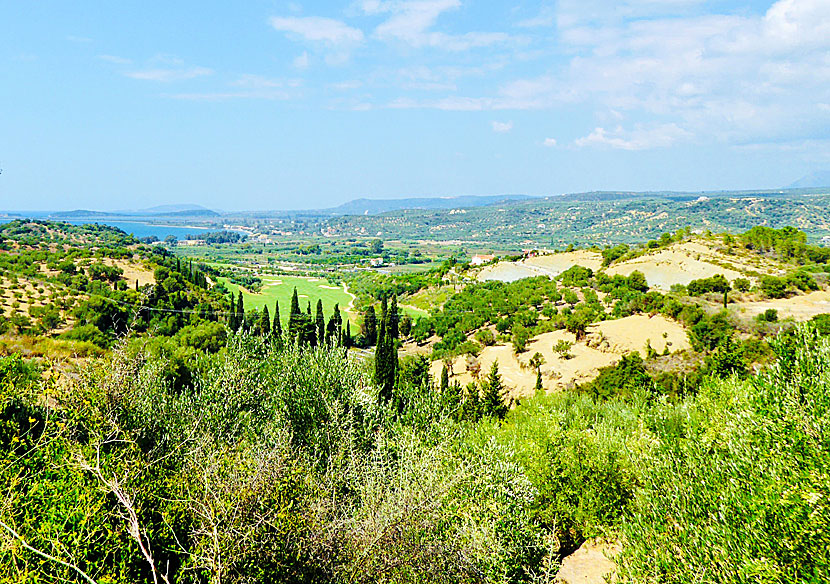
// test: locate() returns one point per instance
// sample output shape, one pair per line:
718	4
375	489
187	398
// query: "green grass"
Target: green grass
280	288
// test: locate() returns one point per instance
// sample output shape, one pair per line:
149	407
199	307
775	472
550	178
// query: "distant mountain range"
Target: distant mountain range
820	178
172	211
374	206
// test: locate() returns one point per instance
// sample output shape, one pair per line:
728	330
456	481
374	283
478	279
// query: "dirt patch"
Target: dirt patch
592	563
555	264
604	345
133	272
632	333
800	308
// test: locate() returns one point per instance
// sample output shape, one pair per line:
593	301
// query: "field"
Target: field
280	288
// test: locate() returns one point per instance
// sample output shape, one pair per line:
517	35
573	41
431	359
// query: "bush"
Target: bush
774	287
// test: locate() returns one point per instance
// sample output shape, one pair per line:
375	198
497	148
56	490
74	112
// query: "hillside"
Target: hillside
594	218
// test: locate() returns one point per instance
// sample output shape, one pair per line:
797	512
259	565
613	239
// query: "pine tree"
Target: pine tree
471	406
493	394
265	322
393	318
452	398
538	380
370	330
276	327
320	323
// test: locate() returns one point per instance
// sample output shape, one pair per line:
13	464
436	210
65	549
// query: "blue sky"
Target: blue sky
285	105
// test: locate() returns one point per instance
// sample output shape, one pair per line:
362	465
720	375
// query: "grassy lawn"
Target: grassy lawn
280	288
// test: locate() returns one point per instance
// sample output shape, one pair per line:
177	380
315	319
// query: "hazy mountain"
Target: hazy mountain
168	209
820	178
374	206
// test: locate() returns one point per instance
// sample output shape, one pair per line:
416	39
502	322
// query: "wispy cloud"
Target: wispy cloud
115	60
502	127
318	29
410	22
549	142
639	138
170	75
248	87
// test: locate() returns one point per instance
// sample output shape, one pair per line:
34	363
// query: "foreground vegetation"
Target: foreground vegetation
288	465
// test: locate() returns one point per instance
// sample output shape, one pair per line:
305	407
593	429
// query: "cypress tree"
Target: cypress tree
240	312
334	326
232	322
309	328
347	336
382	363
320	322
265	322
370	330
294	319
445	378
386	360
276	327
393	318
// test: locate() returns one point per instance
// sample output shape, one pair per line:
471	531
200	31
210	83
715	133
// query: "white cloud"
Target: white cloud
549	142
640	138
272	94
115	60
301	61
170	75
260	82
410	22
730	77
318	29
502	127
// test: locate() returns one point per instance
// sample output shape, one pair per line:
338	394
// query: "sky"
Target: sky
297	105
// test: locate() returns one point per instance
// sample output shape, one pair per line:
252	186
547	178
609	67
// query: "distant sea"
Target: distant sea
139	229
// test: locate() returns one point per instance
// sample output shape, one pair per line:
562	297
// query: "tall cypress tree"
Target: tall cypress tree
309	328
265	322
370	326
276	327
393	318
294	319
240	312
232	321
333	327
382	362
320	322
347	336
386	360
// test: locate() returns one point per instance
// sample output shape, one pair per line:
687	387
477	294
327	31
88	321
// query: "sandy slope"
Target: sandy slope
604	344
679	263
802	307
